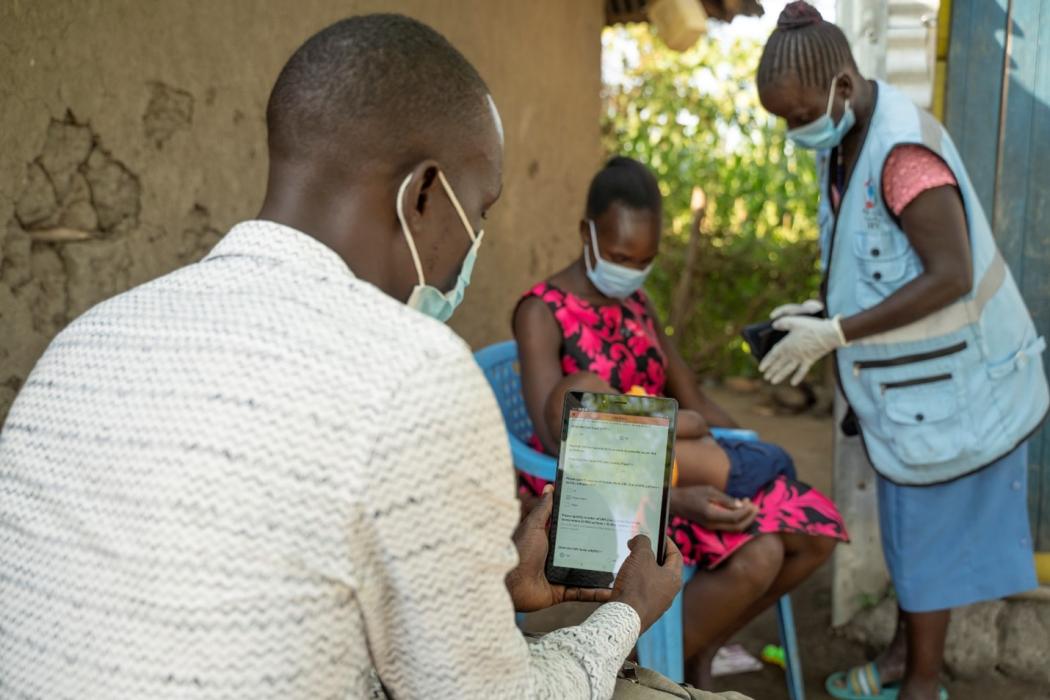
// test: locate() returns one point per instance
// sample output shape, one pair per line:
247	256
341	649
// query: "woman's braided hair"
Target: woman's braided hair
805	45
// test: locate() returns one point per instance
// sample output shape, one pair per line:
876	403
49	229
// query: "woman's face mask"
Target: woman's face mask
823	133
426	298
612	280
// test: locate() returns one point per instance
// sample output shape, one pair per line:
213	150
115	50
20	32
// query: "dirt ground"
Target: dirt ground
823	651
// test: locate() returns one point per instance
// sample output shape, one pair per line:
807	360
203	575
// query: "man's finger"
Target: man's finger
640	547
638	541
541	510
672	555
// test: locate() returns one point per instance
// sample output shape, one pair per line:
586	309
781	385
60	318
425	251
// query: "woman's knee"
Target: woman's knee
757	564
813	548
821	548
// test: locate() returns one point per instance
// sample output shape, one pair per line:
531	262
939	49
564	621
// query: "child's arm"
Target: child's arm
581	381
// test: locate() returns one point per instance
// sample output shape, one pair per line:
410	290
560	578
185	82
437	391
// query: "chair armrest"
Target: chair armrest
532	462
734	433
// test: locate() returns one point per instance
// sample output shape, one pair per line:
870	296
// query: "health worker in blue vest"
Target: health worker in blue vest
933	346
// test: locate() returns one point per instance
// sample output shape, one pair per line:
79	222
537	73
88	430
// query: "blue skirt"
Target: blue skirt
959	543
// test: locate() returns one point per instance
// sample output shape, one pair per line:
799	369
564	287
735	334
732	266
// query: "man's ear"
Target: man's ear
417	196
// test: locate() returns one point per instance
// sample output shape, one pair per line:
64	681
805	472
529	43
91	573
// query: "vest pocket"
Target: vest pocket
882	265
925	423
1027	353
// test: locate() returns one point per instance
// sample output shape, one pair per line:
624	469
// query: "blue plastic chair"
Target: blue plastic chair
660	648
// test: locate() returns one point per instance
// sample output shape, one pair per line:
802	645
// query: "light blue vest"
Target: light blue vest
955	391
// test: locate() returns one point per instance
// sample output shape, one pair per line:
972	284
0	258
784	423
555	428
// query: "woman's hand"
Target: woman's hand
806	308
808	340
527	583
713	509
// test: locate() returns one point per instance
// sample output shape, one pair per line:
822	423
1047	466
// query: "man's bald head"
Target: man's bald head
375	88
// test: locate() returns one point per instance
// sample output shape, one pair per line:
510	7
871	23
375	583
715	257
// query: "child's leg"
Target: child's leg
702	462
691	425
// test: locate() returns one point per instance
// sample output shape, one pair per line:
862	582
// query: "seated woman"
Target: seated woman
591	327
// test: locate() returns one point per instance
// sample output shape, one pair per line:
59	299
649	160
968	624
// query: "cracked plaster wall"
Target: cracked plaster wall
132	136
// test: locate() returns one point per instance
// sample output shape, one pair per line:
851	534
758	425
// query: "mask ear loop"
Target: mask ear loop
594	244
831	99
459	210
404	228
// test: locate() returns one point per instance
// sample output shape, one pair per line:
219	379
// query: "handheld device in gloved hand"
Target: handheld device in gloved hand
761	337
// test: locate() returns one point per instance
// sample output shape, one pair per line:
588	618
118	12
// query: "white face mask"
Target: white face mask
425	298
612	280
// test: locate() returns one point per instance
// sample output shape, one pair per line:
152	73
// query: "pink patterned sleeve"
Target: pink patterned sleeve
911	170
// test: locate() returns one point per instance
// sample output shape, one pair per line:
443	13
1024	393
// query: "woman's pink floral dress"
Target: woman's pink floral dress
619	343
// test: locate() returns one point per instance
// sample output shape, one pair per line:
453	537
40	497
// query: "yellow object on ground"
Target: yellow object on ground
1042	567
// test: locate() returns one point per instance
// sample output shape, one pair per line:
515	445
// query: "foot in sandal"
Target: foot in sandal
865	682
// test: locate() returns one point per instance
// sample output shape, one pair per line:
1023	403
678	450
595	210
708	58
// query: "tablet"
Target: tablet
614	480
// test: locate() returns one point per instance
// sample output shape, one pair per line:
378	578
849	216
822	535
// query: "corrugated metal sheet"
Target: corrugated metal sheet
894	40
911	43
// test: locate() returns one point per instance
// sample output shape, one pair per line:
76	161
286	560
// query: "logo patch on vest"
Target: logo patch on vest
872	218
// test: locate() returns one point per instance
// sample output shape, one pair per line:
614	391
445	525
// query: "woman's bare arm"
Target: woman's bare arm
539	346
935	224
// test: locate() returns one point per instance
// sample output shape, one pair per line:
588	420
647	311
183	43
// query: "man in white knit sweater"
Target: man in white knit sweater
266	475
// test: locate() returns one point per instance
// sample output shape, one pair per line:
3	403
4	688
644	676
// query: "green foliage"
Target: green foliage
695	119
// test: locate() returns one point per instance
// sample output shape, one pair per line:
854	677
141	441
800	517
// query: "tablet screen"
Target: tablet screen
612	487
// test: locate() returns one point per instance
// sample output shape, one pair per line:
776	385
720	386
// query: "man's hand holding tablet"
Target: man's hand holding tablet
645	585
642	583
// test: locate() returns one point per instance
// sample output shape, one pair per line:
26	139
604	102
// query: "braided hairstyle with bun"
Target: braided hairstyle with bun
804	45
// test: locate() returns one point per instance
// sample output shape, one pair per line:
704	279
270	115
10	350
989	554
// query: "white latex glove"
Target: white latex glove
807	307
808	340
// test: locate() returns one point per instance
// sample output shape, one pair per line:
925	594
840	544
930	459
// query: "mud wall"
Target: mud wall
132	136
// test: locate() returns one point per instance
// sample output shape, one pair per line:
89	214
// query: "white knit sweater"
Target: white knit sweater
260	477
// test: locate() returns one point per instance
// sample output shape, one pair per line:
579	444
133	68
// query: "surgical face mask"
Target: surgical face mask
612	280
426	298
823	133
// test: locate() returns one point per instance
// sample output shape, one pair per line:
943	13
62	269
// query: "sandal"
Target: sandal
863	683
859	683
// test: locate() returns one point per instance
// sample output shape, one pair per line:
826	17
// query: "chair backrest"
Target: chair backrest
499	362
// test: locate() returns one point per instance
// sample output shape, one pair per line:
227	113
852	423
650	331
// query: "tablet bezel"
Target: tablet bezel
654	406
